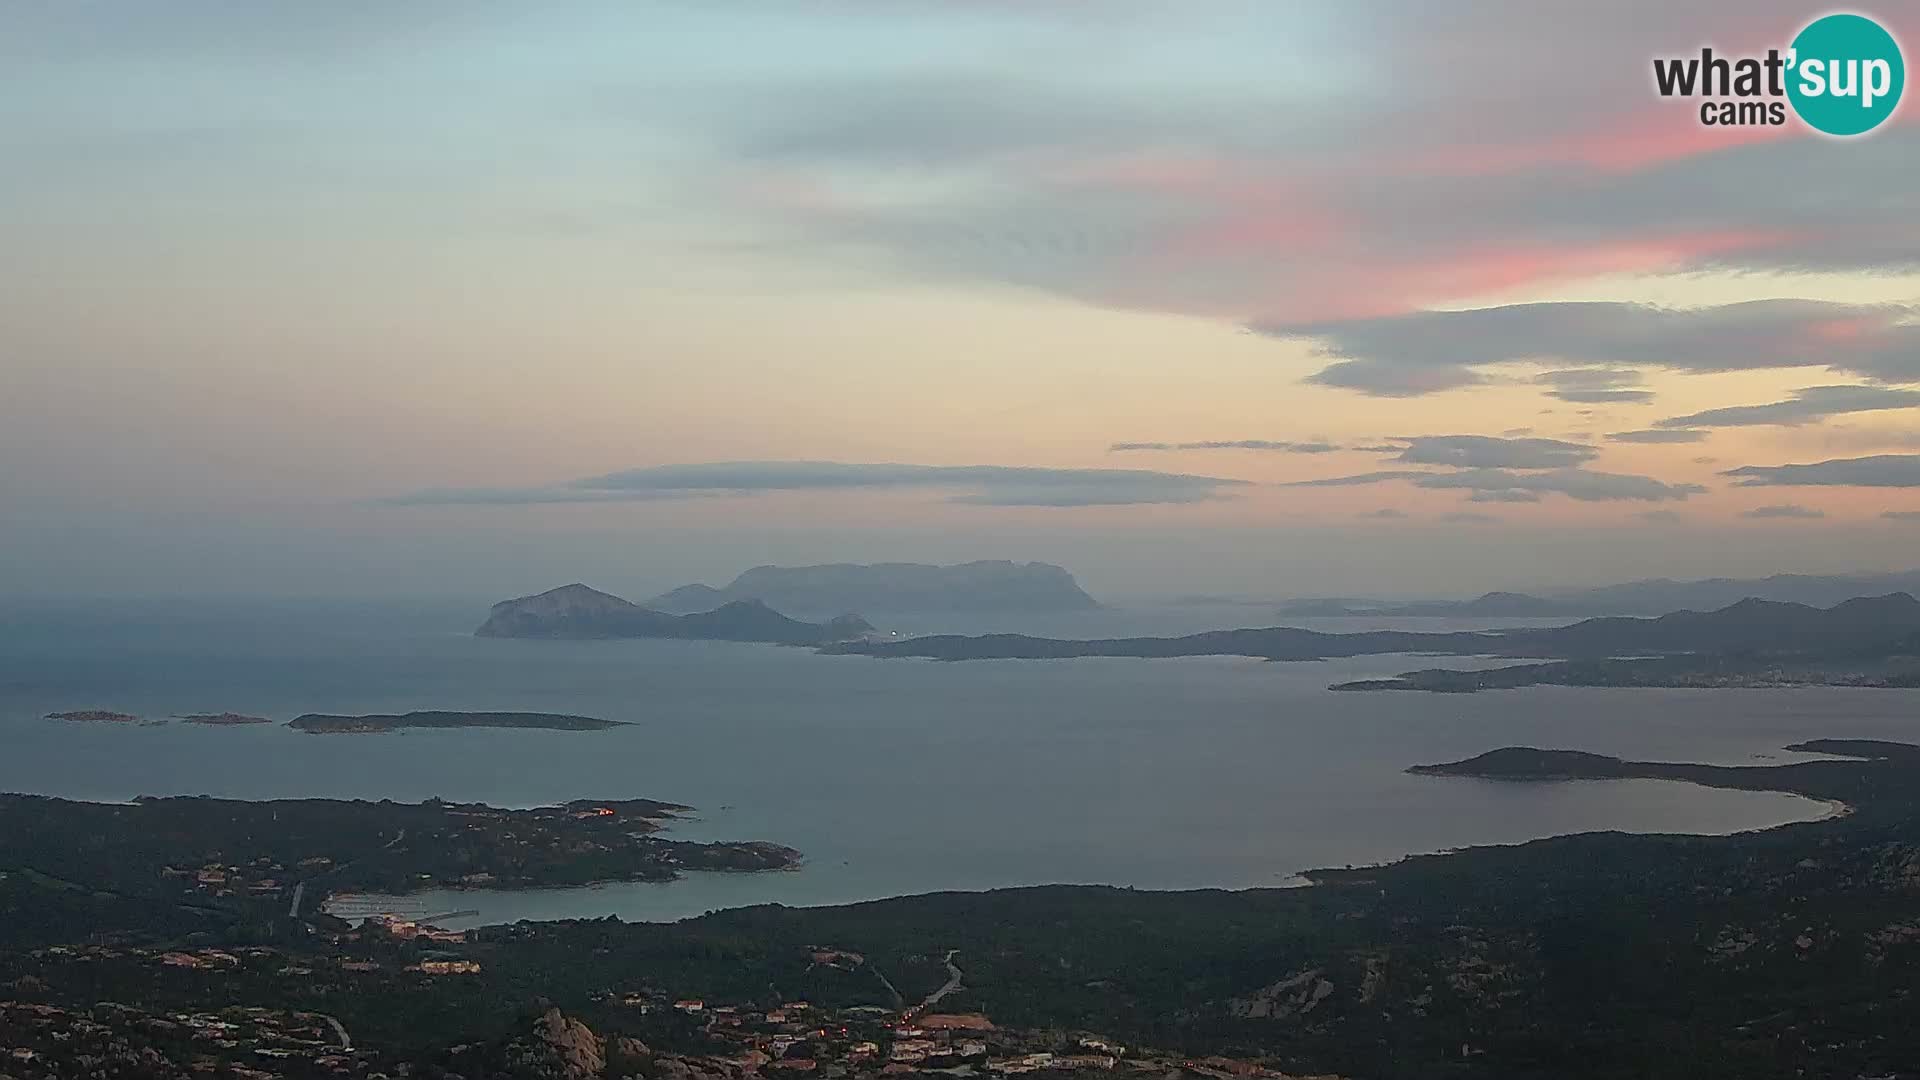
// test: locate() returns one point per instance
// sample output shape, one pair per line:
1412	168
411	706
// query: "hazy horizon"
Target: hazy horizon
475	300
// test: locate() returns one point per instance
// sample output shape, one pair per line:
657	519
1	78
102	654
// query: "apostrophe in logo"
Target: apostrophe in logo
1842	75
1847	74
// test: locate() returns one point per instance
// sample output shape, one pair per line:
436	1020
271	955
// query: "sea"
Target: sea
891	776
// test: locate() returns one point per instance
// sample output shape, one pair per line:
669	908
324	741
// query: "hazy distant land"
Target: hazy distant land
1749	624
985	586
1630	598
370	723
578	612
1869	669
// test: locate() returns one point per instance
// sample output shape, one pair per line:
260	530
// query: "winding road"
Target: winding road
952	984
300	888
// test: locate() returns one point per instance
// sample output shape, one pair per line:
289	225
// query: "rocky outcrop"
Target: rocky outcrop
573	1046
563	1048
575	611
1296	995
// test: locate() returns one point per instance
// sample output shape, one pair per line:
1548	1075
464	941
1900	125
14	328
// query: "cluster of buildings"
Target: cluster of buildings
790	1038
257	878
200	959
38	1039
446	967
797	1037
412	930
193	959
259	958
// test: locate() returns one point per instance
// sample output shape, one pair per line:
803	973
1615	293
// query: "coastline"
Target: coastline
659	902
1836	808
1831	809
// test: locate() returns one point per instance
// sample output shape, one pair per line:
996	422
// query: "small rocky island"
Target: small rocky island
222	719
94	716
373	723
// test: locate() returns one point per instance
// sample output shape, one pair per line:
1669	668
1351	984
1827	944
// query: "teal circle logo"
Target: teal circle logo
1845	74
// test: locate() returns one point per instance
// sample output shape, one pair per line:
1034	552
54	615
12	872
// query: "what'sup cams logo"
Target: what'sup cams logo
1842	75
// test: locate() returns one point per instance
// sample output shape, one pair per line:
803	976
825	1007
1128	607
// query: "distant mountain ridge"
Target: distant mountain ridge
987	585
578	612
1750	625
1819	590
1891	622
1493	605
1629	598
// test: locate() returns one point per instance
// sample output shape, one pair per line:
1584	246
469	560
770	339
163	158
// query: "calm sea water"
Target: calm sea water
892	776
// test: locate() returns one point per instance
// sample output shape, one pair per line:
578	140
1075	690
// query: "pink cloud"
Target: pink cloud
1455	192
1624	144
1358	288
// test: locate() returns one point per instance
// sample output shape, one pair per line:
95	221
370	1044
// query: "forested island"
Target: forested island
222	719
94	716
1873	763
374	723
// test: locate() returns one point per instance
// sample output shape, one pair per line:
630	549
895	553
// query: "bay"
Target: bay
892	777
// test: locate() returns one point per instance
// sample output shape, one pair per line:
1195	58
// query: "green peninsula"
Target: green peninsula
211	854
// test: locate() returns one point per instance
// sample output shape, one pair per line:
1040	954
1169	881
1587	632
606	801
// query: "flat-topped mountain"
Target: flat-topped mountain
576	611
897	587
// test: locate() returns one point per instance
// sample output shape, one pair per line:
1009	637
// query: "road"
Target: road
952	983
300	888
346	1041
899	999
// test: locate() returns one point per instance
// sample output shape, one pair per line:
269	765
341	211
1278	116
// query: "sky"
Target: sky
1279	299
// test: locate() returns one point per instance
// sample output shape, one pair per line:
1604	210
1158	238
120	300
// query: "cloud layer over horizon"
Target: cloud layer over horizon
977	485
1424	352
